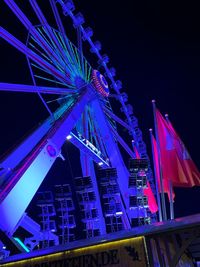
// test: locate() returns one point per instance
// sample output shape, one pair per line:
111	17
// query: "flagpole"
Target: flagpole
156	178
171	202
159	161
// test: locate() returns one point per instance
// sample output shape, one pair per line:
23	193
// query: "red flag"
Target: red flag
170	164
189	167
151	198
181	171
166	188
153	207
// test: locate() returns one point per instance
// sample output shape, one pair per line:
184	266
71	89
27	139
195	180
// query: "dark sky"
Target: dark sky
155	48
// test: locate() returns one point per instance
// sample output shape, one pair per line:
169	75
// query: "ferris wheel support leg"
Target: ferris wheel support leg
88	170
115	160
36	165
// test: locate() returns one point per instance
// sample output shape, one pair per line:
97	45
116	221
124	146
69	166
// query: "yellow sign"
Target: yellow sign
122	253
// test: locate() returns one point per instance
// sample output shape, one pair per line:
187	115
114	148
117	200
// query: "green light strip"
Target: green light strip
21	244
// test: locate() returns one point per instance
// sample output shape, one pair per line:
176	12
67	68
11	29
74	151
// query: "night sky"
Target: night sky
155	48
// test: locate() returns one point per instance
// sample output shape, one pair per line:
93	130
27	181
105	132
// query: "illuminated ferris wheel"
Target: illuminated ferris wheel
84	94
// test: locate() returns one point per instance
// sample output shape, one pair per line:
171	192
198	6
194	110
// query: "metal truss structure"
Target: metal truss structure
83	117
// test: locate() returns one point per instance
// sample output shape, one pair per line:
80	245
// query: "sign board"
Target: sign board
122	253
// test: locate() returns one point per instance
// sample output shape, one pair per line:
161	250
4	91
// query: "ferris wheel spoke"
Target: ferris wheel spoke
92	134
48	79
45	78
28	25
117	119
97	136
123	143
39	13
30	54
43	47
72	56
48	29
80	48
44	55
85	123
48	54
92	45
69	60
88	141
10	87
20	15
63	39
57	17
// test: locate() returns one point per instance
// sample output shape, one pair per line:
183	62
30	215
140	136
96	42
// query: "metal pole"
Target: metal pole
171	203
159	162
156	178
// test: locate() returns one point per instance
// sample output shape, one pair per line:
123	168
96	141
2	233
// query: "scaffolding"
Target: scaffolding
46	203
111	200
87	204
65	213
138	202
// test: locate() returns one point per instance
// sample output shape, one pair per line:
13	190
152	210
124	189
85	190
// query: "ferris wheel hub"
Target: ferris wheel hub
100	83
79	82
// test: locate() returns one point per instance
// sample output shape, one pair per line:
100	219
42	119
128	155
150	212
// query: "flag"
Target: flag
170	163
137	155
166	187
176	163
189	167
153	207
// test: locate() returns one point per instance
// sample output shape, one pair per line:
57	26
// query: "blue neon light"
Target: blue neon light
22	244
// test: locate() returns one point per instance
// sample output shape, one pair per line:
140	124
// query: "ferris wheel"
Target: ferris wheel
83	116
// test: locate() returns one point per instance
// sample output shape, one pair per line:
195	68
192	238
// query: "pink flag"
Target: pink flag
151	199
153	207
136	153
